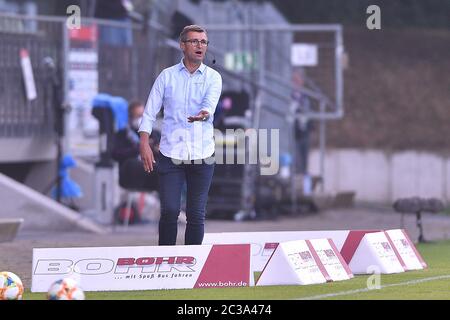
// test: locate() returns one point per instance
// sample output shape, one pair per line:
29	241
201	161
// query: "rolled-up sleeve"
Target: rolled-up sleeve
213	92
153	105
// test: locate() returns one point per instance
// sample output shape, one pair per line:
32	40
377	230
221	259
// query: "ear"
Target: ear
182	46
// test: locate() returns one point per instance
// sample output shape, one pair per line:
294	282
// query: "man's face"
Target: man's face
138	111
194	52
136	116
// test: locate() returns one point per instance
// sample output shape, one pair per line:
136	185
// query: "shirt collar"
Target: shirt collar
200	69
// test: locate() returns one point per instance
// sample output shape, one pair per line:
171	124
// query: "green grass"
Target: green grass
436	255
446	211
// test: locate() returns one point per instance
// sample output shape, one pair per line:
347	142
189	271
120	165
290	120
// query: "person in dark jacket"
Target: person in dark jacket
126	152
116	10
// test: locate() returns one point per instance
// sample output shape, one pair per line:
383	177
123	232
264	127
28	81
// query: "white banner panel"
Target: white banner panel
304	262
374	251
292	263
334	266
304	54
263	244
408	254
144	268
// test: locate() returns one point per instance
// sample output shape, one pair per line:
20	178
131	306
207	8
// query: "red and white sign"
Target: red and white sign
391	251
84	34
27	72
334	266
405	249
263	244
144	268
83	86
375	250
304	262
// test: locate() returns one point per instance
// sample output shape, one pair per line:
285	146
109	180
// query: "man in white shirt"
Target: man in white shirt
189	92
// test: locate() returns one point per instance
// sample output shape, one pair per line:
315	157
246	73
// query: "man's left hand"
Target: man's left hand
201	116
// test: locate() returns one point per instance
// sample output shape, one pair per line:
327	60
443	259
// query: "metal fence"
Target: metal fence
125	67
129	69
18	116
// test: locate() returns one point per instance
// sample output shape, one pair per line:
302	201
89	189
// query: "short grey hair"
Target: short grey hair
190	28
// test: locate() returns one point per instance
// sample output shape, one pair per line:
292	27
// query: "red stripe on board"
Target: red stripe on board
341	259
424	264
399	257
270	245
226	263
318	261
267	263
85	33
352	242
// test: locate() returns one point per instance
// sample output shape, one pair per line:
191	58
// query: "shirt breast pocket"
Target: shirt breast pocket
198	92
168	94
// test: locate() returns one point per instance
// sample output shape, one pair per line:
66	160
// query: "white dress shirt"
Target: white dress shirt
183	95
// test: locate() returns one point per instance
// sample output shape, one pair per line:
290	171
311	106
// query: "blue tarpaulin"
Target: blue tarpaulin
118	105
69	188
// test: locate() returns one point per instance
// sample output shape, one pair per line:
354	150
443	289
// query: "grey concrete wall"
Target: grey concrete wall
84	174
31	149
381	177
42	176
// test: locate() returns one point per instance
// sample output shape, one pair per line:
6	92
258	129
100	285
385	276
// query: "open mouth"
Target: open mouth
198	52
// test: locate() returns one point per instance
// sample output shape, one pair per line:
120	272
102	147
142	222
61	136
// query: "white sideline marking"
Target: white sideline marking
344	293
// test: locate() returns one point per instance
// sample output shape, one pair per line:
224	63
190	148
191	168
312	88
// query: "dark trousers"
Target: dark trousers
132	176
171	180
